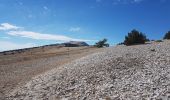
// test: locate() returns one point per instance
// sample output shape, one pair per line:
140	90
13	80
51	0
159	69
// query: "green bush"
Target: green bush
167	35
120	43
102	43
135	37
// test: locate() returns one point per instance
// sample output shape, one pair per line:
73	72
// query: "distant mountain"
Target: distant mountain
75	44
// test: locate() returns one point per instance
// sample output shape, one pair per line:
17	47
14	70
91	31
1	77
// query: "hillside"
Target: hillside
16	68
42	48
137	72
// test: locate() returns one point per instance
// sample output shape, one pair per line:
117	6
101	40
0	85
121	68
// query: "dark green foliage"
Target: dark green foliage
135	37
102	43
167	35
120	43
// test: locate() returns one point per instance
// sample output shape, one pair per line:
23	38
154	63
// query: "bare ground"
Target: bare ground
140	72
17	69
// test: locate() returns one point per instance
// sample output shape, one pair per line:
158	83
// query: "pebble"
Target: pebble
117	73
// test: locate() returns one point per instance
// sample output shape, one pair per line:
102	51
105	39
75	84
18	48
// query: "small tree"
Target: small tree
167	35
135	37
102	43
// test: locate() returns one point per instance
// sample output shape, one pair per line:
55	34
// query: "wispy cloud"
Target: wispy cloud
126	1
137	0
6	45
7	26
45	8
20	3
74	29
15	31
40	36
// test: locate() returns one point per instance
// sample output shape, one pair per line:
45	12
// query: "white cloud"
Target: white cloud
6	45
40	36
7	26
75	29
16	31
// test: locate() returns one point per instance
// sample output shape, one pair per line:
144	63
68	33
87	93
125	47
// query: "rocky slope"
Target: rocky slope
119	73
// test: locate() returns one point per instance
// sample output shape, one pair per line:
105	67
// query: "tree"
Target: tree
167	35
102	43
135	37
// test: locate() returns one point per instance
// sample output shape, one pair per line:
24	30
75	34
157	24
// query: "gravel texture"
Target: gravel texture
140	72
19	68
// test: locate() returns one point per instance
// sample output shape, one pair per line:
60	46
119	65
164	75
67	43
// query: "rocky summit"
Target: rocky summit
139	72
75	44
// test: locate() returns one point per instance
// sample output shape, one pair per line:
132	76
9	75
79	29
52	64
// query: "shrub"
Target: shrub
120	43
135	37
167	35
102	43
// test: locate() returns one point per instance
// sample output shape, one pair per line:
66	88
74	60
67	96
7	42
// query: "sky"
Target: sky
29	23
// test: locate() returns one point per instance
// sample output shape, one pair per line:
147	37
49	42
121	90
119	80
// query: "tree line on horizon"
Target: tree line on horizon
132	38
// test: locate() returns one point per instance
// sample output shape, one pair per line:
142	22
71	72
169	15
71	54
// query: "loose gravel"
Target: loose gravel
140	72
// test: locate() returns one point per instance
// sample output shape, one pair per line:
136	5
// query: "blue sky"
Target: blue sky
27	23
